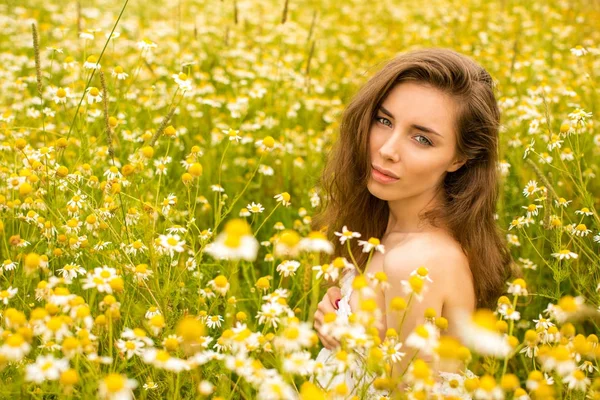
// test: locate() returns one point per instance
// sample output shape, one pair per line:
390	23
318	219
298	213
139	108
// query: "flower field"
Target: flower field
159	167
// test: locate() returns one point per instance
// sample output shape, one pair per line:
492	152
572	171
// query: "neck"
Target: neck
404	214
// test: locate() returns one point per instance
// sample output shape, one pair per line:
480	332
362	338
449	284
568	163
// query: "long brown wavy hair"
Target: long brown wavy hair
471	192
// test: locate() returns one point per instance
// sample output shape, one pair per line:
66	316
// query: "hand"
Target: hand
327	305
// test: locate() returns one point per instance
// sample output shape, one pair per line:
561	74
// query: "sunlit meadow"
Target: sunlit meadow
159	165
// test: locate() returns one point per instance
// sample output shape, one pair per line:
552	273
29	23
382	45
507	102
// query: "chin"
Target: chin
377	193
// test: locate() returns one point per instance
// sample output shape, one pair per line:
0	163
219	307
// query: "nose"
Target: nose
390	149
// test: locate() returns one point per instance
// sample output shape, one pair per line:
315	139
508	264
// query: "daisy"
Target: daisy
171	243
283	198
93	95
6	295
232	134
255	208
316	242
532	209
584	211
327	271
422	273
518	287
346	234
579	116
146	44
118	73
478	332
91	63
71	271
117	387
577	380
567	307
555	142
15	348
542	323
8	265
214	321
265	170
372	243
235	242
101	279
530	188
562	202
220	285
205	234
183	80
581	230
142	272
513	240
414	286
288	268
61	95
565	254
424	338
578	51
162	359
46	367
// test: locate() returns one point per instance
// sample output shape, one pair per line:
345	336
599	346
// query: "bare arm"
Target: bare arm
447	291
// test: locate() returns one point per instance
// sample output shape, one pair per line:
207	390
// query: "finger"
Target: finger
319	316
334	297
327	341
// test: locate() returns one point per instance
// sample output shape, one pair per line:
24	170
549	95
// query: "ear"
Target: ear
459	162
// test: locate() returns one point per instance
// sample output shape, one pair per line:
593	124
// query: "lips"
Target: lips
385	172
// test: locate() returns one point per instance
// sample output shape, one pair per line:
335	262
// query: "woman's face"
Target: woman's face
413	137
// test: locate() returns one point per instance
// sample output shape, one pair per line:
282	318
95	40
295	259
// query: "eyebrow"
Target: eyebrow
415	126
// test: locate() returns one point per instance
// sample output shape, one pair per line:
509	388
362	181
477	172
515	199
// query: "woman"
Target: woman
416	166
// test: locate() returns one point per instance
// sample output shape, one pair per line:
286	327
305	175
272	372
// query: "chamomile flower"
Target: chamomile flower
7	294
565	254
183	80
61	95
584	211
232	134
71	271
346	234
46	368
146	44
255	208
415	286
283	198
235	242
578	51
327	271
15	347
91	63
581	230
478	332
532	209
518	287
116	387
119	73
316	242
372	243
288	268
171	243
562	202
93	95
530	188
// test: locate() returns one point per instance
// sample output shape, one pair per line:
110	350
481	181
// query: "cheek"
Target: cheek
422	165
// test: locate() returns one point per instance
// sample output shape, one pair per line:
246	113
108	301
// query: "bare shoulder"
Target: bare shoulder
444	258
